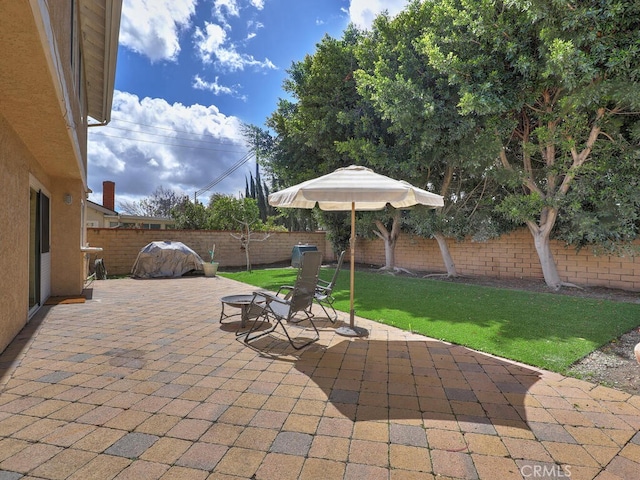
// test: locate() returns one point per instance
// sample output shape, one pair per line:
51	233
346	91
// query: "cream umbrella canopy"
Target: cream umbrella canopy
353	188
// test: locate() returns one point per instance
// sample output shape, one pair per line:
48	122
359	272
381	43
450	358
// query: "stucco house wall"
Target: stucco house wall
14	233
45	105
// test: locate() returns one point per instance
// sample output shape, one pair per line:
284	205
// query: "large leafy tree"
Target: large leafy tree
332	125
428	141
555	81
316	131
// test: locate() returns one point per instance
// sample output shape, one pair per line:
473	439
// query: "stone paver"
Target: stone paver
142	382
132	445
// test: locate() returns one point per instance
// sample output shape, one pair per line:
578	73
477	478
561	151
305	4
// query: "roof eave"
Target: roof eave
100	103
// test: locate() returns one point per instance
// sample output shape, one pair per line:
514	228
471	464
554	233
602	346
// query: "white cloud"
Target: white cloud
212	46
152	27
230	8
200	84
363	12
151	143
209	41
225	8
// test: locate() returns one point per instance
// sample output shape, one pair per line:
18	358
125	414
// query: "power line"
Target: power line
163	143
228	172
170	136
163	128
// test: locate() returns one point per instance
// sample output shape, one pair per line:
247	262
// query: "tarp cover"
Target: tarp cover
166	259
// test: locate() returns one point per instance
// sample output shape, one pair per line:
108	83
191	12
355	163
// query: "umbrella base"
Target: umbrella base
352	332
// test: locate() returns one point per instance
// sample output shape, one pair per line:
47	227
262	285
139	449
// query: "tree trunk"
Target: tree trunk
390	238
246	252
446	255
389	253
541	240
547	262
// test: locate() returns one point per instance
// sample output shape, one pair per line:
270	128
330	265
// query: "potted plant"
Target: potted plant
211	268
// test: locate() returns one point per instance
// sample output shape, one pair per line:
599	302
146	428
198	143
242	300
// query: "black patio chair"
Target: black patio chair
324	291
278	309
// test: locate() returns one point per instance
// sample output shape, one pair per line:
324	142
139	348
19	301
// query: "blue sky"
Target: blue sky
190	73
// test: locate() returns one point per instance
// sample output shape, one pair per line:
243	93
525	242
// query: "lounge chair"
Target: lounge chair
324	291
281	309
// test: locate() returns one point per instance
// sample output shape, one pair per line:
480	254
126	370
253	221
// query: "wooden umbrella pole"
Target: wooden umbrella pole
353	262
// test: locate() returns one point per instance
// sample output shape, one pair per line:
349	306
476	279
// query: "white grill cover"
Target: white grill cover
166	259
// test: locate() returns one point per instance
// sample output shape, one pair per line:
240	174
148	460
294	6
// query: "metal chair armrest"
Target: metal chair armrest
287	288
269	297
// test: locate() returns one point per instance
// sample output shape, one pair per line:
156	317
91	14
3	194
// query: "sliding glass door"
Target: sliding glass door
39	242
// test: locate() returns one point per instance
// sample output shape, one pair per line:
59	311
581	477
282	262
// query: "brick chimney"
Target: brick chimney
109	195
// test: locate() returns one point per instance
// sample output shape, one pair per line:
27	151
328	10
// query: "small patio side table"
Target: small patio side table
243	302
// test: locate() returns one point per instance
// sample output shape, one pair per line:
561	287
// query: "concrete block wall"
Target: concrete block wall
510	256
121	246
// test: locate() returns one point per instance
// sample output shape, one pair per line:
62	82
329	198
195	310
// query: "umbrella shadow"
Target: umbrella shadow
428	380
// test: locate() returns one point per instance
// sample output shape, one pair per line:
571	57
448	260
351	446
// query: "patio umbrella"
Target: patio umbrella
353	188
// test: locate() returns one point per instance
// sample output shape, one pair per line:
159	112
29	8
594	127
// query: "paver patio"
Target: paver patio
143	382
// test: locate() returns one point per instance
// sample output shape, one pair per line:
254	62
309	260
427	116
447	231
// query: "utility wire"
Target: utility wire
140	132
163	128
228	172
224	175
163	143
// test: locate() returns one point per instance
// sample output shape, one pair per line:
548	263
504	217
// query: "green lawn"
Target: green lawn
541	329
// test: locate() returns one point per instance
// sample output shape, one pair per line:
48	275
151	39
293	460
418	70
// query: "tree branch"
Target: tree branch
580	158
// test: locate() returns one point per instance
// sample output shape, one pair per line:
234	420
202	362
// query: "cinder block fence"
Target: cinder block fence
510	256
121	246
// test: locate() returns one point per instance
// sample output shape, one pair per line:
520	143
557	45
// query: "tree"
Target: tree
190	215
258	190
230	213
226	209
604	206
332	125
551	79
428	142
158	204
306	130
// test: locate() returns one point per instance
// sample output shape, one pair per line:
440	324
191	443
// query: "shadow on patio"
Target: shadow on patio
419	379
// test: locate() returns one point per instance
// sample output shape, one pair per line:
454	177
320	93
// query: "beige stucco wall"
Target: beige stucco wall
92	215
14	234
67	268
